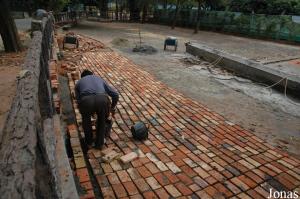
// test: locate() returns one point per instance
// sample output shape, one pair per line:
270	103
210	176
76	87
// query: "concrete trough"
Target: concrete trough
246	68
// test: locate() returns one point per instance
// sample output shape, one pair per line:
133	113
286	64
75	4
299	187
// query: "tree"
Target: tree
198	16
134	10
8	29
54	5
103	6
178	4
117	10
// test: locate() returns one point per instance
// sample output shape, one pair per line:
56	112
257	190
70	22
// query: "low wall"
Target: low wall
246	68
28	156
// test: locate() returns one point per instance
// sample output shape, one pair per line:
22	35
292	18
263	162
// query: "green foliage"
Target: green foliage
272	7
55	5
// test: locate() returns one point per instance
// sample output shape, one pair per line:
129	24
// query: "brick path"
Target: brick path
191	151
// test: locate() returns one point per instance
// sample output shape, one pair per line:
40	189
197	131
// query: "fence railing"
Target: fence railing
26	168
278	27
68	17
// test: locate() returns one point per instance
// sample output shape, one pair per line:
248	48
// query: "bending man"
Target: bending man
92	97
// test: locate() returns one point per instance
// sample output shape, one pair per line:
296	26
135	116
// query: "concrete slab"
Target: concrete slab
248	68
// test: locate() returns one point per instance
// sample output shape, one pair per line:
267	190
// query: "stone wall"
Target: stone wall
27	141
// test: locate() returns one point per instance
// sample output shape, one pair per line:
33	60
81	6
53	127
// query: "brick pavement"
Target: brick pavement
192	152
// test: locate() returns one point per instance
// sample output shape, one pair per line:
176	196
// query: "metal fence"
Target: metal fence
278	27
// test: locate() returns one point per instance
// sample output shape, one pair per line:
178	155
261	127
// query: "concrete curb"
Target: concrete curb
247	68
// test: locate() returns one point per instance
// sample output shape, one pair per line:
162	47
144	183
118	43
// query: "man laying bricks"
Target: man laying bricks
92	97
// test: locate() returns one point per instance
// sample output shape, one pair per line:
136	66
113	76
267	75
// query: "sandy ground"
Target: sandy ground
266	113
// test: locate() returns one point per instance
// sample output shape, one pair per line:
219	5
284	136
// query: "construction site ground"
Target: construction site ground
265	112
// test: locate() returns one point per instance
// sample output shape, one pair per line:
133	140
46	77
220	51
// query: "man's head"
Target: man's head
86	73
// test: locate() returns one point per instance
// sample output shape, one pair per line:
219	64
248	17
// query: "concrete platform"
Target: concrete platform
264	73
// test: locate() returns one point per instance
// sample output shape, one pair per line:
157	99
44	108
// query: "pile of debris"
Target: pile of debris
145	49
86	44
120	42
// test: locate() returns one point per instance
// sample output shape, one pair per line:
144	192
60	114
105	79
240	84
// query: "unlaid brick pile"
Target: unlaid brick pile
191	151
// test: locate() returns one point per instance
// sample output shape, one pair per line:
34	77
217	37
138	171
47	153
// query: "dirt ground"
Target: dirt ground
266	113
10	65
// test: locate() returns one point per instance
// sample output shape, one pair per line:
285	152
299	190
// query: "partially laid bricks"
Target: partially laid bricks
191	151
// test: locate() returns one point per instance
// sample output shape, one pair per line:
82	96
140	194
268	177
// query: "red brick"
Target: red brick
237	182
151	167
163	157
254	194
211	180
267	170
137	196
254	177
247	181
262	192
142	185
184	178
153	183
144	148
162	179
123	175
134	174
222	189
150	195
144	172
162	193
288	181
183	189
218	176
83	175
171	176
203	194
87	185
213	192
119	190
137	163
172	190
107	192
131	188
144	160
189	171
88	195
113	178
234	189
199	181
102	181
158	144
201	172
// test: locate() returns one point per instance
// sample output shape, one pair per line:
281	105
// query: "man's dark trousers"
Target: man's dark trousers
99	104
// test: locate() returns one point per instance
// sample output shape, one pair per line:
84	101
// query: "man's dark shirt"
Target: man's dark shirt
92	85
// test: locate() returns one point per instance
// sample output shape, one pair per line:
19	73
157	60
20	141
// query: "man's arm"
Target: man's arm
113	94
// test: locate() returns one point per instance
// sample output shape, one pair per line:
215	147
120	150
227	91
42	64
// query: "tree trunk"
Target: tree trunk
104	8
198	18
144	13
134	10
117	10
8	29
176	13
165	5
